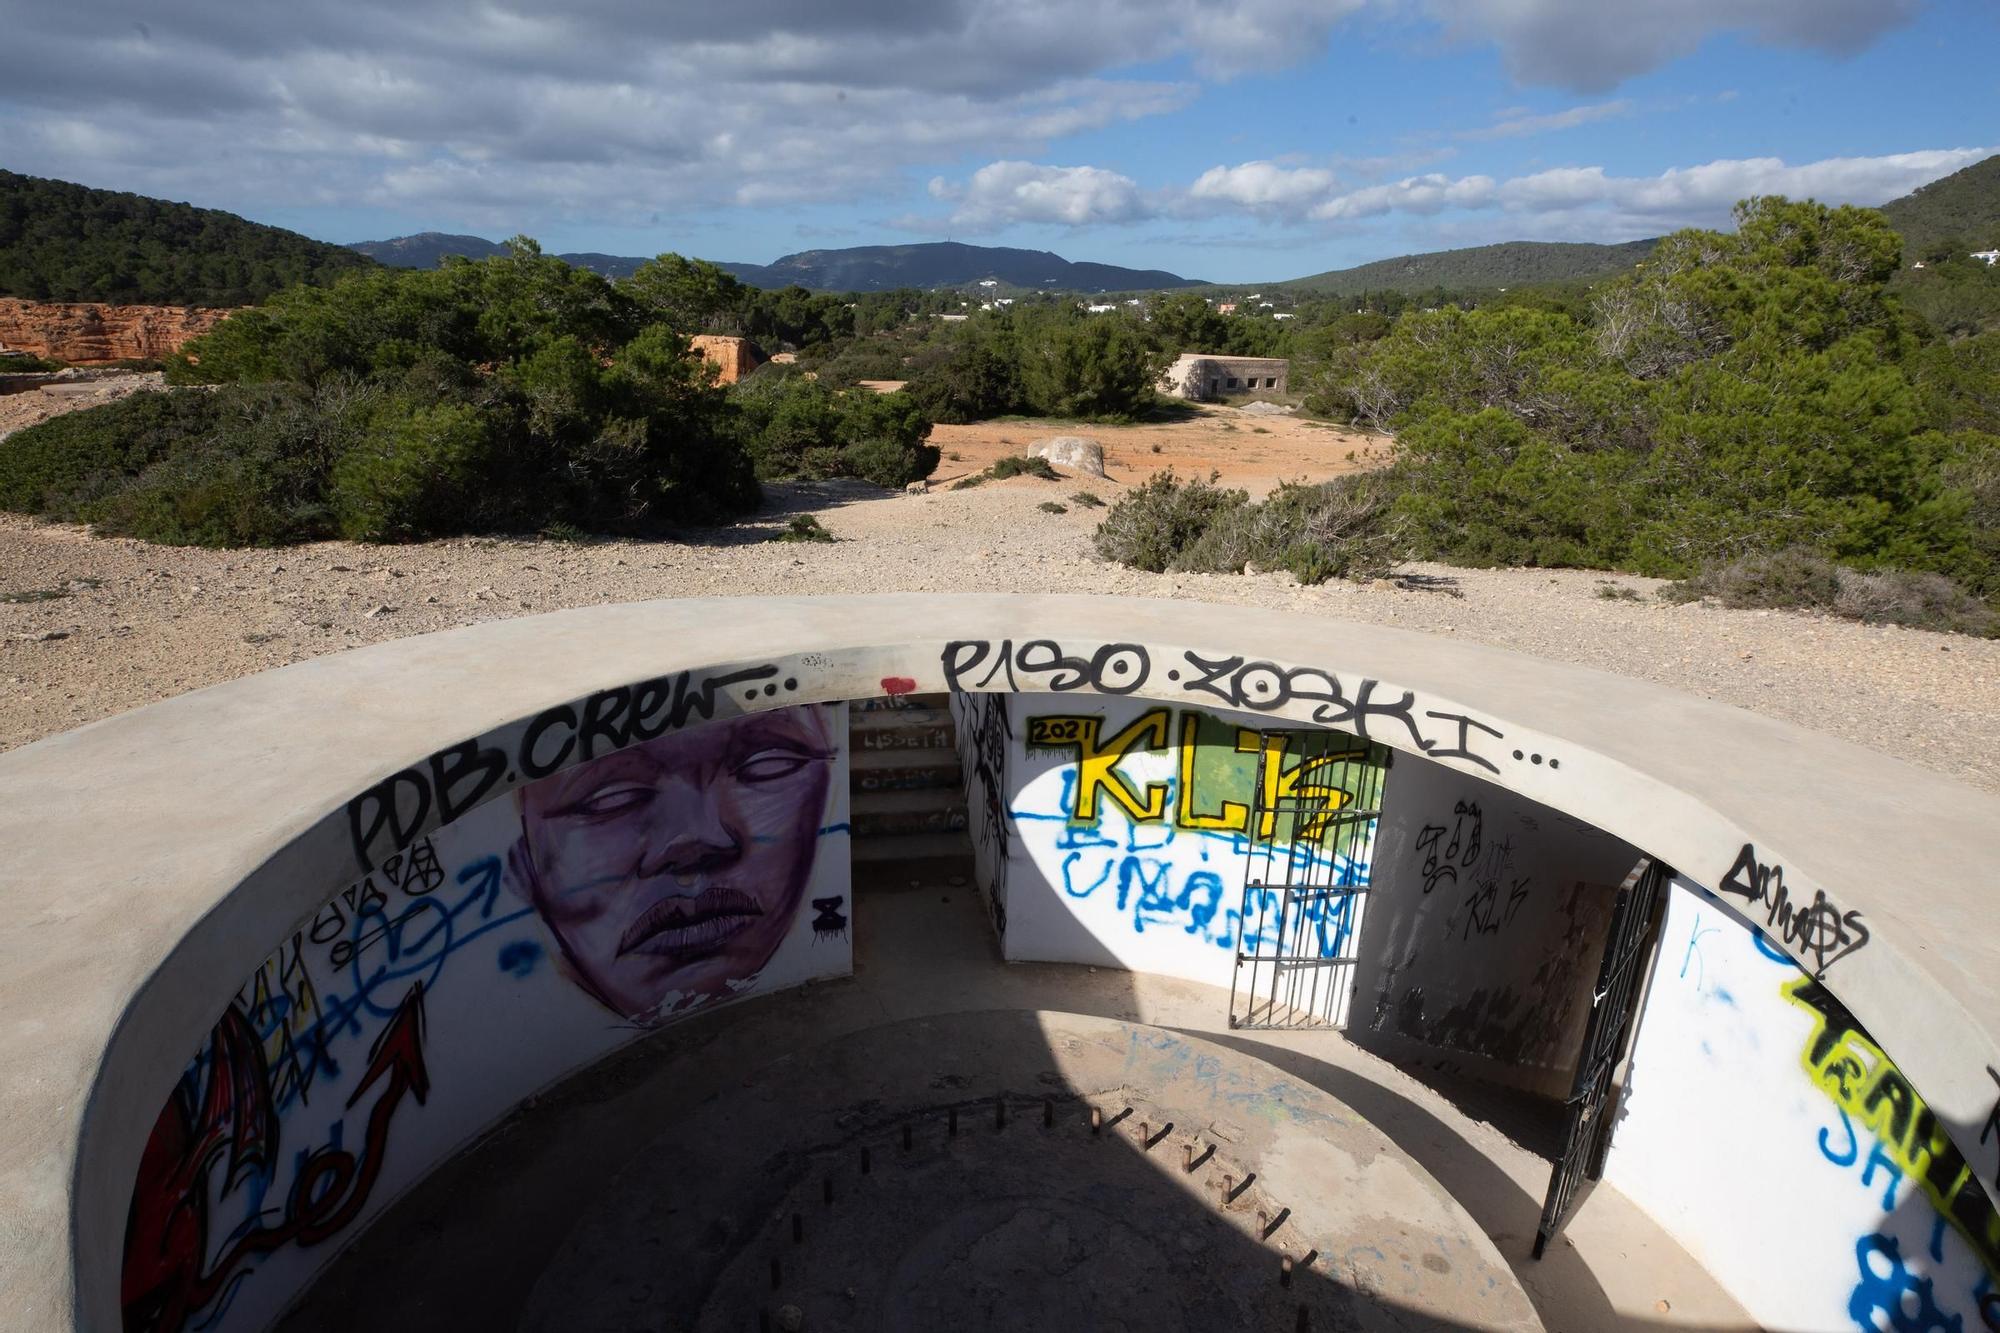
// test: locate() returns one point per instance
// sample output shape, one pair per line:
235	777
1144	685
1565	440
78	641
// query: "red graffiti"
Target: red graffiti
898	685
166	1235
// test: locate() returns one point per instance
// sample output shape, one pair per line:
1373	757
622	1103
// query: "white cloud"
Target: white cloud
1001	194
1261	187
1593	45
1518	123
1591	201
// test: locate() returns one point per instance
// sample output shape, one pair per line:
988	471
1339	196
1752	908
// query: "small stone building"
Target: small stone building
1201	377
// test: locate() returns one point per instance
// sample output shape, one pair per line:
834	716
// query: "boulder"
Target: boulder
1078	453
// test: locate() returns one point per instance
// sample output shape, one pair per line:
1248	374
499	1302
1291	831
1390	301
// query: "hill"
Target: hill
1963	206
64	242
866	268
1508	264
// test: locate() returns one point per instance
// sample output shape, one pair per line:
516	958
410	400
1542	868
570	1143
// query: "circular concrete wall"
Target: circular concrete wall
157	856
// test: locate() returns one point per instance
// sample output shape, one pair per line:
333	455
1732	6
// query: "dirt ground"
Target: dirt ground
92	626
1254	452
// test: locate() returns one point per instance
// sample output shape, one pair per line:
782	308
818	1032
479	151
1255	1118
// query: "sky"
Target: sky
1227	140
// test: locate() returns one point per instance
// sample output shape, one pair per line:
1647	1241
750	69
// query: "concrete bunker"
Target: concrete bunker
346	986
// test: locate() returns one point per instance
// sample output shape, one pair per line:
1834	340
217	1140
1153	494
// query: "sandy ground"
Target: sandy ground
21	410
1251	451
90	627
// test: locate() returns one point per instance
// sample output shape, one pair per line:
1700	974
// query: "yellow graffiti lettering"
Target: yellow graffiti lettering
1097	761
1293	785
1232	816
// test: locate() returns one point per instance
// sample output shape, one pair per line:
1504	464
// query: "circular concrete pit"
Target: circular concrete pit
1007	1170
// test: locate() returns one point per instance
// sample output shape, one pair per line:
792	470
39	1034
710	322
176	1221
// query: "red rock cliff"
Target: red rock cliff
90	334
733	358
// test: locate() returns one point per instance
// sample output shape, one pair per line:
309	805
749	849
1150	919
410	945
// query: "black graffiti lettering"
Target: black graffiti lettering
381	809
1046	657
691	698
415	872
1818	930
962	655
602	713
649	704
830	920
533	765
1461	750
1119	668
462	775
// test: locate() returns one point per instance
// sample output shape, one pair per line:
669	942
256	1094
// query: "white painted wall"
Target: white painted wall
1144	894
1486	928
449	927
1749	1153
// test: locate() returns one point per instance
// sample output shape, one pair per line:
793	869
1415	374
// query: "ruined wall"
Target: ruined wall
1784	1149
732	357
89	334
523	940
1201	377
1131	838
1486	929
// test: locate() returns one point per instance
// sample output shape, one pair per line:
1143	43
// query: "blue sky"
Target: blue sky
1234	140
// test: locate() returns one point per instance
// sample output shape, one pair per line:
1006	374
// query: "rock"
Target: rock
917	487
791	1318
85	334
1079	453
382	610
1266	409
733	358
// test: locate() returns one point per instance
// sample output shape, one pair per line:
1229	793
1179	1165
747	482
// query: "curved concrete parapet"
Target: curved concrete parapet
154	859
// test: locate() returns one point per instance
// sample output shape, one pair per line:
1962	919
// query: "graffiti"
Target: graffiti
1483	911
1991	1129
1265	686
830	921
1853	1071
1241	763
1040	665
390	815
670	872
230	1122
1890	1296
987	740
1443	862
1819	930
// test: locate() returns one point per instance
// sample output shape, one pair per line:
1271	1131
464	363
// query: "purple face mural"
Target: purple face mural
672	870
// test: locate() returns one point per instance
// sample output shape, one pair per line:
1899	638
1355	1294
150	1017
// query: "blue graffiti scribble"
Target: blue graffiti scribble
1694	950
1853	1143
519	957
1882	1298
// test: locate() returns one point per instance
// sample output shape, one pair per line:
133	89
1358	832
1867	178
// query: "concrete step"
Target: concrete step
903	813
941	847
897	703
921	735
895	719
904	770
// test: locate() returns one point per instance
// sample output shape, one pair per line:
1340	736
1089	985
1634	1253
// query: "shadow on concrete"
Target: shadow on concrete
654	1189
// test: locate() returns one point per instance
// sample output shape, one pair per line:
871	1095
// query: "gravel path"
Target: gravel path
136	623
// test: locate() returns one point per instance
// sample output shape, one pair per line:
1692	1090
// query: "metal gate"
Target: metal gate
1593	1106
1310	838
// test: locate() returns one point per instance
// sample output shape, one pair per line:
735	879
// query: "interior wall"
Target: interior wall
985	737
1486	929
1130	837
504	950
1785	1150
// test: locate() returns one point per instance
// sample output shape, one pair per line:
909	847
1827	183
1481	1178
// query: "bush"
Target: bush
1087	500
21	363
1052	507
798	427
419	473
1337	529
804	528
1801	579
1015	465
1153	524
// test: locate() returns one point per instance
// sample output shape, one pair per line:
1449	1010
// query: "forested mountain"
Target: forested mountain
1964	206
1508	264
865	268
64	242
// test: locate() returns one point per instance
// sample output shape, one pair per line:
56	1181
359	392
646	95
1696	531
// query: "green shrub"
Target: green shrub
21	363
1087	500
418	473
1051	507
1801	579
1337	529
804	528
1156	522
1015	465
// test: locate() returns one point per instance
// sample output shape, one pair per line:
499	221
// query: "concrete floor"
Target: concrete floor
492	1239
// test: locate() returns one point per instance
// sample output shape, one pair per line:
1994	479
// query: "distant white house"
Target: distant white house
1100	309
989	282
1284	314
1987	257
